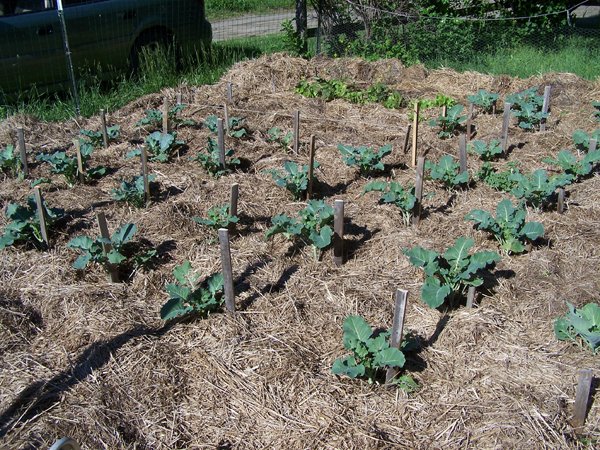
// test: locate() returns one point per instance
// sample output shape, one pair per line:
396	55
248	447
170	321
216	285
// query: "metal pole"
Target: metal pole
63	27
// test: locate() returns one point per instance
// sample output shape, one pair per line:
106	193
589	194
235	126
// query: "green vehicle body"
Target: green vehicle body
104	36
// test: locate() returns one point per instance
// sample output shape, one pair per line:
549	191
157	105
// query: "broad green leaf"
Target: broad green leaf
420	257
114	257
457	256
356	329
123	234
178	291
390	357
322	239
533	230
348	366
181	273
434	293
81	242
215	283
174	308
82	261
591	311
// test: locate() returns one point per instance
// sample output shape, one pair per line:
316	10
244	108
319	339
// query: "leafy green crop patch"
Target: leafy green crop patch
527	108
217	217
450	123
487	151
484	99
367	159
96	139
10	161
211	160
394	193
580	326
132	192
447	172
61	163
278	136
153	118
573	168
581	139
537	189
294	177
235	126
498	180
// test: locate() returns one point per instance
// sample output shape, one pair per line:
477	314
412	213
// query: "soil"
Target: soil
90	359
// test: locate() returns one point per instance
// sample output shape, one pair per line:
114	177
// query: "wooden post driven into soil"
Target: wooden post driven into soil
560	204
112	270
338	232
462	152
311	169
227	271
80	169
407	138
415	135
444	110
581	399
39	201
470	123
226	116
145	175
104	130
397	328
178	98
296	125
505	125
545	106
233	200
593	145
165	116
230	92
470	296
221	141
22	151
416	216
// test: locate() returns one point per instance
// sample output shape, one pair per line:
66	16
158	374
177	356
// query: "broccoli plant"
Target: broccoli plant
447	171
500	181
449	123
527	108
211	160
218	217
580	325
132	192
95	137
187	296
508	227
24	223
294	177
582	140
574	168
235	126
10	161
484	99
395	194
153	118
371	354
162	145
449	275
537	189
276	135
596	106
486	151
61	163
313	225
367	159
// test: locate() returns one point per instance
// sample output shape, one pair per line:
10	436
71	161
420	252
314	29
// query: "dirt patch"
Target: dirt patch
92	360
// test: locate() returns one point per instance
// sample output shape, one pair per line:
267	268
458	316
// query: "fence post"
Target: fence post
302	23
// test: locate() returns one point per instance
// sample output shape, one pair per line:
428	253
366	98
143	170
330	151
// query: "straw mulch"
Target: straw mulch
85	358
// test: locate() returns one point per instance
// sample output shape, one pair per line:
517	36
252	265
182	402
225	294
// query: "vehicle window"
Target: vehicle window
14	7
67	3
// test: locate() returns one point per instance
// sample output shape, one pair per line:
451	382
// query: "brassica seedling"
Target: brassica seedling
10	161
500	181
211	161
450	122
486	151
218	217
580	325
95	137
582	140
367	159
236	128
575	168
527	108
394	193
132	192
93	249
153	118
484	99
537	188
162	145
294	177
276	135
61	163
447	171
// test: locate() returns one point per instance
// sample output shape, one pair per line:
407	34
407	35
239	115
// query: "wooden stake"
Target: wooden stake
397	328
221	142
592	145
39	201
145	174
462	152
494	106
226	116
104	129
230	92
233	199
560	205
470	296
80	170
545	106
419	191
178	98
227	272
165	116
444	110
22	151
470	123
311	169
505	125
581	398
338	232
112	270
415	131
296	132
407	138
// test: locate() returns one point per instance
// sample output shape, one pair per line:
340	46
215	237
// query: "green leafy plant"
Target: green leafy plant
153	118
449	275
575	168
293	43
278	136
162	145
236	128
527	108
294	177
95	137
537	189
61	163
449	123
484	99
427	103
447	171
395	194
582	140
132	192
312	226
500	181
367	159
596	106
509	227
211	161
486	151
371	354
24	224
10	161
580	325
187	296
218	217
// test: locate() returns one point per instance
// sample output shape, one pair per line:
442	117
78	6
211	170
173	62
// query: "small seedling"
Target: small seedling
162	145
93	250
218	217
537	189
371	354
211	160
294	177
486	151
484	99
10	161
95	137
500	181
154	117
66	165
395	194
509	227
187	296
582	140
132	192
447	171
449	275
367	159
276	135
575	169
527	106
235	126
580	325
449	123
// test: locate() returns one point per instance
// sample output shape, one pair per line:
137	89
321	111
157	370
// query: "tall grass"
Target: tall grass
220	9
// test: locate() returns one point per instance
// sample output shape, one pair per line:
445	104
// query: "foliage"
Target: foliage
293	42
366	158
312	226
447	171
582	140
186	296
371	353
508	227
426	103
486	151
132	192
501	181
10	161
596	106
276	135
450	122
484	99
581	324
450	274
294	177
537	188
96	139
211	161
93	249
24	224
235	124
575	168
162	145
153	118
527	108
66	165
395	194
218	217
